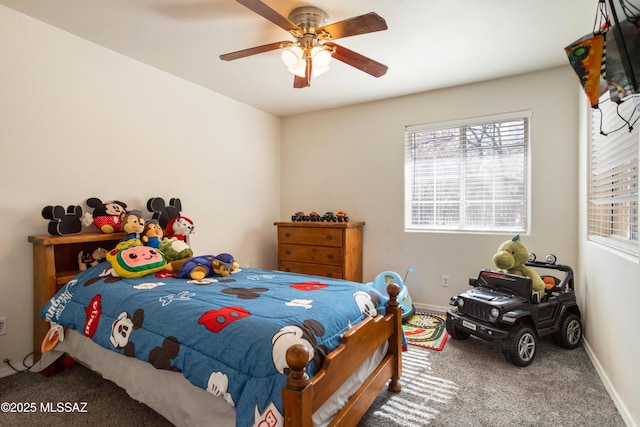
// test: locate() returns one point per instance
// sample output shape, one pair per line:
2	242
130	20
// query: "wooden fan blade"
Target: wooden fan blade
254	50
368	23
358	61
266	12
302	82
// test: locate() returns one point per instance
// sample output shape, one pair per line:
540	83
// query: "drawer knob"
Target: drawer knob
329	237
330	256
287	235
288	252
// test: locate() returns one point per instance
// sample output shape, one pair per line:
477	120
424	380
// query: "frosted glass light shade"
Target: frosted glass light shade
321	60
292	58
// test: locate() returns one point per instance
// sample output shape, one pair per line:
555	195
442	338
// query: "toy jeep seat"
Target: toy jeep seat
550	284
511	283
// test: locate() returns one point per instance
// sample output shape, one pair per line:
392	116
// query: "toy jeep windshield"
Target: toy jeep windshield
501	306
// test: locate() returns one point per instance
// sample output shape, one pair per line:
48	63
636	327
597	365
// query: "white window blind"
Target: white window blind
469	176
613	168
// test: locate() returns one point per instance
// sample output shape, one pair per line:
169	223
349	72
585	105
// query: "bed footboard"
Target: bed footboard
303	396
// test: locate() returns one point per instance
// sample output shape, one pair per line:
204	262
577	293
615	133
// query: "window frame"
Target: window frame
464	228
599	230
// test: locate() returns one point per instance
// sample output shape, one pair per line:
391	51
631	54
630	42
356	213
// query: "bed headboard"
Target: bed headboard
55	261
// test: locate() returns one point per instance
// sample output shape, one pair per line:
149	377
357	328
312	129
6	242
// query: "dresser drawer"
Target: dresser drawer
320	236
328	249
332	271
314	254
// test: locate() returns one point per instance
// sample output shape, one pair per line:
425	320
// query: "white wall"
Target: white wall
77	121
351	159
610	295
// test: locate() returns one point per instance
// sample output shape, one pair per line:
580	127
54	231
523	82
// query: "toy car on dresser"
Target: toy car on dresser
501	306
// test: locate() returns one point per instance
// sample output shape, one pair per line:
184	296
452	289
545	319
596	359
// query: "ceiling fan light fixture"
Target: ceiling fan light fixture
311	52
321	58
293	58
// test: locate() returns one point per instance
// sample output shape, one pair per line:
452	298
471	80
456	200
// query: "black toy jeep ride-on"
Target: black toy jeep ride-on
501	306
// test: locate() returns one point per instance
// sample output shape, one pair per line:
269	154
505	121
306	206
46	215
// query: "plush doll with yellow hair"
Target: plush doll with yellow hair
510	258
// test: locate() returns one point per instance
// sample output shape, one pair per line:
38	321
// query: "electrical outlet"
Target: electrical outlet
3	325
445	280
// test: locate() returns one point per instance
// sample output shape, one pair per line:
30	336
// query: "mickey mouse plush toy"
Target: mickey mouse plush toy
106	216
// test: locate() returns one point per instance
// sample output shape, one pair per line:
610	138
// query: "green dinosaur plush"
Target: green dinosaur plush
511	257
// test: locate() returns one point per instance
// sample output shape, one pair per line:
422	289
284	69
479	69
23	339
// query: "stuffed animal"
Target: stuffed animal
176	245
106	216
86	259
224	265
132	259
511	257
196	268
174	249
133	225
180	228
152	233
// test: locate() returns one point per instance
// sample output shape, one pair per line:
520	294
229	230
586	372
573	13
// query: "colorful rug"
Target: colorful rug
426	329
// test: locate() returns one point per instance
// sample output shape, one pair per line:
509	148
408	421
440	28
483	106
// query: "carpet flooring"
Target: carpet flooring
468	383
425	394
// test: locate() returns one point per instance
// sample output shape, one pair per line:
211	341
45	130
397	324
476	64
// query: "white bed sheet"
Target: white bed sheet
171	395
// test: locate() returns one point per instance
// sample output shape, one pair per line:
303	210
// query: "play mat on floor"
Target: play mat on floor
426	329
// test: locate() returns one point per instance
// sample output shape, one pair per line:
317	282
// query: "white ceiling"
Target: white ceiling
430	44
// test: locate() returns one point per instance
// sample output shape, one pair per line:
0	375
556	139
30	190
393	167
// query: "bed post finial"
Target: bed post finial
297	359
393	290
296	401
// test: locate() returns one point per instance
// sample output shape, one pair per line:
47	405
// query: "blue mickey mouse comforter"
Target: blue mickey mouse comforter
228	336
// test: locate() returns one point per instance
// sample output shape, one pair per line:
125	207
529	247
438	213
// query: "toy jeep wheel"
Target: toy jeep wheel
520	346
453	330
570	332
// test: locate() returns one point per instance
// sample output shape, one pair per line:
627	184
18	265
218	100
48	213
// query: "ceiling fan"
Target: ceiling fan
313	47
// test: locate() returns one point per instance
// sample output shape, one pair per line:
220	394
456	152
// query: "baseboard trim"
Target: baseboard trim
5	371
429	307
624	412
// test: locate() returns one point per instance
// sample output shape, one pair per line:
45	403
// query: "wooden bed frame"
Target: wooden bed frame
55	261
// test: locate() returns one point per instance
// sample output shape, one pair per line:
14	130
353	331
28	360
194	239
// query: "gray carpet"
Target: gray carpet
468	383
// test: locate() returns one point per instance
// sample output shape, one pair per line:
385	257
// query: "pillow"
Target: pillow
132	259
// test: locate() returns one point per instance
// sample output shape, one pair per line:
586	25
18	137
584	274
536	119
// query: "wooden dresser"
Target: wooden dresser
55	262
328	249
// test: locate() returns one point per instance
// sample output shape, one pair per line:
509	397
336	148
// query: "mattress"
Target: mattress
170	394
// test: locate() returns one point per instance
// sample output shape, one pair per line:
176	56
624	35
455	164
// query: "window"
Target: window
613	176
469	176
